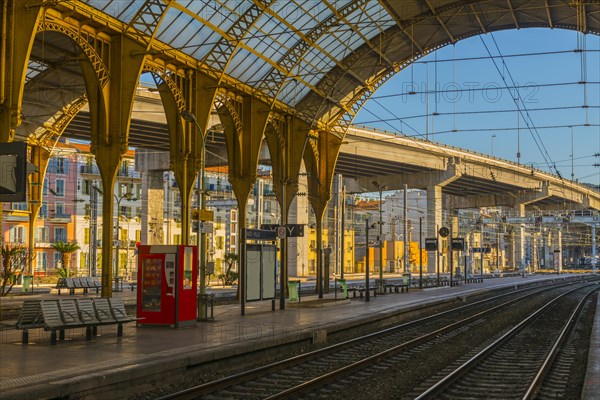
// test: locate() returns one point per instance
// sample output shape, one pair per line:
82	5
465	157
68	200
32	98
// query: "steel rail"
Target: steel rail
434	391
545	367
228	381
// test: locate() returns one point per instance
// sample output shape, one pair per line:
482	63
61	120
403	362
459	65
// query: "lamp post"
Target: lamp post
421	252
190	117
380	189
367	277
128	196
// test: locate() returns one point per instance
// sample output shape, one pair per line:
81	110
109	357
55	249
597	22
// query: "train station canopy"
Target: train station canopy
321	58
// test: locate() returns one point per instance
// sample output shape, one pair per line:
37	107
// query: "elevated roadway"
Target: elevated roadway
471	179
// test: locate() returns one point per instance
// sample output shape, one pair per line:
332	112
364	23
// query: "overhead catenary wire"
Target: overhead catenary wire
480	89
471	112
519	102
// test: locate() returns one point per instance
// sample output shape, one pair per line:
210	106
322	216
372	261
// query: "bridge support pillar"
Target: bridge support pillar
434	223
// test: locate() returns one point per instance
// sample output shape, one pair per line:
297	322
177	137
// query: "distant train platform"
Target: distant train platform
74	365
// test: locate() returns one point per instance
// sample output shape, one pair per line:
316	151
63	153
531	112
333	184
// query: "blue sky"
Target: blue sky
392	109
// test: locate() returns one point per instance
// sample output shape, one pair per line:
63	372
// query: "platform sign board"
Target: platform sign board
261	272
260	234
457	244
203	215
431	244
269	271
253	269
289	230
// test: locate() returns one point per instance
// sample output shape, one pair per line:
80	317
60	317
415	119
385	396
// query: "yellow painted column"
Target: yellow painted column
286	138
320	159
18	26
110	108
40	158
244	125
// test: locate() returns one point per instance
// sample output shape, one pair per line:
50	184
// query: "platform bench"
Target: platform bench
361	290
56	316
398	286
83	283
30	317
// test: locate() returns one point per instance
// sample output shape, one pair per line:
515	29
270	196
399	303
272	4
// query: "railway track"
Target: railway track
300	374
514	366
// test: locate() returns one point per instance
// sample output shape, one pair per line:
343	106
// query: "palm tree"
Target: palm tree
65	249
13	264
229	277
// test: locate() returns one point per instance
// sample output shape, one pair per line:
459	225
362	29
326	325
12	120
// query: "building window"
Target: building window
62	166
44	211
17	234
42	234
60	234
86	235
176	239
86	187
22	206
41	261
124	236
125	211
57	260
60	187
123	169
59	209
83	260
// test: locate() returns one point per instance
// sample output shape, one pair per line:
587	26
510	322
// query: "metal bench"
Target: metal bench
29	318
71	316
65	283
397	285
112	311
362	289
118	309
52	319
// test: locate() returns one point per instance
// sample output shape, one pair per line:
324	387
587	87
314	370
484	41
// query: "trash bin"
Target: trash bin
294	290
405	278
118	284
344	287
27	284
203	301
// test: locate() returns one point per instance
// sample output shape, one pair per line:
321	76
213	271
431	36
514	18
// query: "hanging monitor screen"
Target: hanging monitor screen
13	171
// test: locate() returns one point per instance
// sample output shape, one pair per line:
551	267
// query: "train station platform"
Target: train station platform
75	366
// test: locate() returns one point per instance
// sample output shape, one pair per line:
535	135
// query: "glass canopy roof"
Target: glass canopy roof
284	47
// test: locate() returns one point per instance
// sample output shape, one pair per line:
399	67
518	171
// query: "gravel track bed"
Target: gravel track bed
218	369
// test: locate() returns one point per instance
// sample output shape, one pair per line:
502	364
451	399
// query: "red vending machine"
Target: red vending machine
167	281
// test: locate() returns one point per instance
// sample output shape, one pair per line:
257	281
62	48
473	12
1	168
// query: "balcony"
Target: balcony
59	217
89	169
